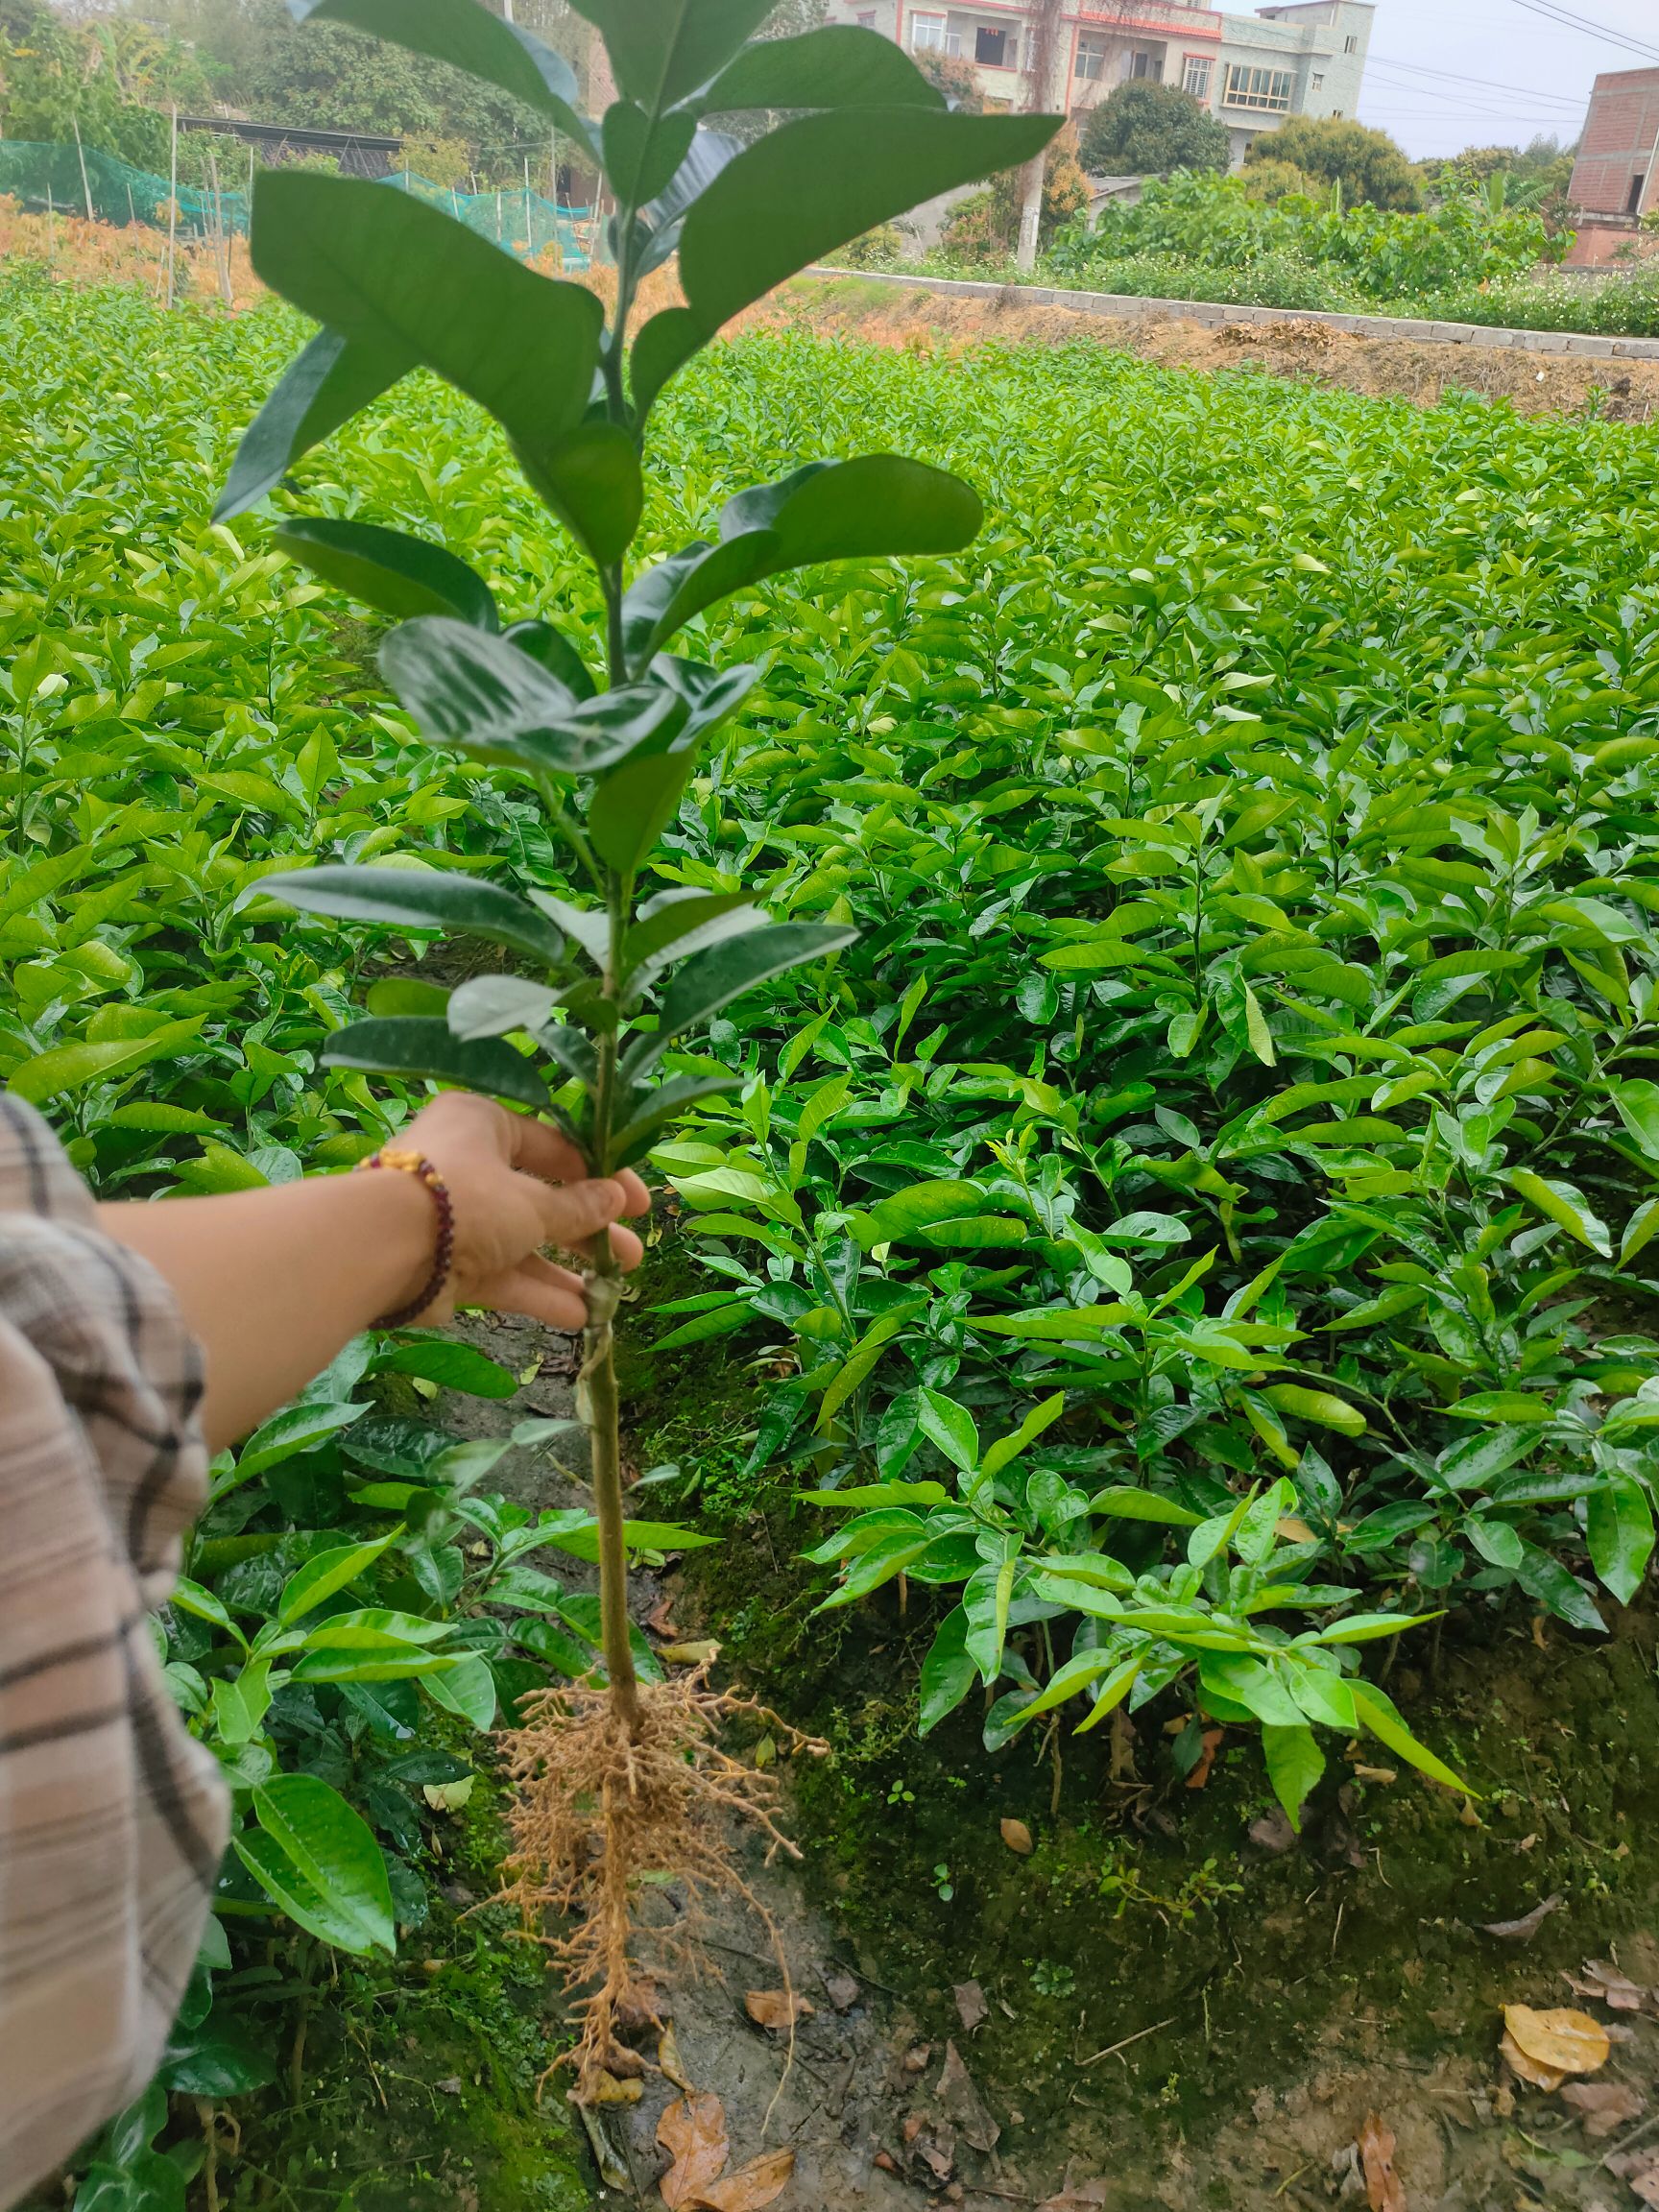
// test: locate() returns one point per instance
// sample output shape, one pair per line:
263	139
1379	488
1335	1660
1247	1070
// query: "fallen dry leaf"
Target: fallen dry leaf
1380	1774
1210	1743
701	1653
1290	1530
1272	1831
1603	2105
668	2059
1523	1930
1645	2184
693	2133
962	2104
776	2009
915	2059
1614	1989
1382	2189
1562	2041
971	2006
843	1989
610	2089
751	2186
661	1617
1088	2197
1526	2069
1018	1838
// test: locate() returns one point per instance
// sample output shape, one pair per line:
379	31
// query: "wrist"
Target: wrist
414	1219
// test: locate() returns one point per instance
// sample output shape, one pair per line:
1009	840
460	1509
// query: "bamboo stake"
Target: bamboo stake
173	210
221	245
81	151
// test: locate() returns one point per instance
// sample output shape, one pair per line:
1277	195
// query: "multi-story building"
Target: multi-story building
1617	172
1299	57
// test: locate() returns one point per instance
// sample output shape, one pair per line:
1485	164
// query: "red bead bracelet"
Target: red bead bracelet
416	1164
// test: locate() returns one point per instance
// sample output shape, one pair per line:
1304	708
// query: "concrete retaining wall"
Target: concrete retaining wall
1213	315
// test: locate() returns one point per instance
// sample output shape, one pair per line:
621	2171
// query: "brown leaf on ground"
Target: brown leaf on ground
668	2059
1614	1989
1087	2197
1645	2184
1018	1838
971	2006
1210	1744
611	2089
1603	2105
1523	1930
1272	1831
693	2133
1383	2192
962	2104
701	1653
661	1617
751	2186
842	1989
1382	1775
776	2009
1562	2040
1526	2069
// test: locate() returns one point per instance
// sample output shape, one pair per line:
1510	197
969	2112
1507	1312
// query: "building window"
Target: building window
1091	61
994	48
1633	206
1351	44
1266	89
866	18
1142	64
1196	75
1318	80
933	35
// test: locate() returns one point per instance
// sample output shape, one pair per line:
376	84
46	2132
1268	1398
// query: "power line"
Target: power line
1452	77
1564	19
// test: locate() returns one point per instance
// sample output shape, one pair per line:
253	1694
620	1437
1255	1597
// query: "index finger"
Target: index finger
536	1148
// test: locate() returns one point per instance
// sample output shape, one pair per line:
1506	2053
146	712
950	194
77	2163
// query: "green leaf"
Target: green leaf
398	277
1636	1103
495	1005
322	387
318	1859
482	694
1366	1627
399	574
879	504
948	1673
592	481
1515	1407
1620	1534
1319	1407
837	66
805	189
468	1688
411	1046
663	50
986	1597
328	1571
294	1429
49	1074
553	651
1123	1502
1113	1692
639	1133
1382	1717
1009	1447
713	978
643	152
452	1365
951	1428
1294	1766
190	1598
1546	1578
1563	1204
214	2066
418	899
675	924
633	805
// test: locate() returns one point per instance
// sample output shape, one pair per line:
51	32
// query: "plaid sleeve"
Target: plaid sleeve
112	1819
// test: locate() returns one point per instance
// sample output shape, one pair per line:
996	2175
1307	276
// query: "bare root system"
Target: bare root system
601	1806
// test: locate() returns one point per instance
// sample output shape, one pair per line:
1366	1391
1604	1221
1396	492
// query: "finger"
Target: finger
571	1213
536	1148
539	1288
635	1198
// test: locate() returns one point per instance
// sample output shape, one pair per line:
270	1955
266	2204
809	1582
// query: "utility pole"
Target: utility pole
1042	40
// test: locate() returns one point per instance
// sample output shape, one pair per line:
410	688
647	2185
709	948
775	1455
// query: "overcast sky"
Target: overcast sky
1525	74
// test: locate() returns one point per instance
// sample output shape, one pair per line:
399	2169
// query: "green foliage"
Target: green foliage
108	81
984	226
1145	130
1366	164
1341	254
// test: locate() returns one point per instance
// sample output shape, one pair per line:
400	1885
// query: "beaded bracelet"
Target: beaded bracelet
416	1163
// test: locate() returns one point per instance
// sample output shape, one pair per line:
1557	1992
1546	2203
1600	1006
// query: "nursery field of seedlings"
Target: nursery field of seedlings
1182	1263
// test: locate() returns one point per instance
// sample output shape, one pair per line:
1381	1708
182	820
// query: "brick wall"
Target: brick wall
1620	133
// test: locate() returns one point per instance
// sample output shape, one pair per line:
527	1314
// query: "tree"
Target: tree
1271	182
1367	164
956	75
986	226
611	972
1145	130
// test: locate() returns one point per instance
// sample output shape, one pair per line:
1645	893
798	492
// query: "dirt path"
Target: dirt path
1380	368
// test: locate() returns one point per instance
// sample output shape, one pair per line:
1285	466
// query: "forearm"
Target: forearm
273	1281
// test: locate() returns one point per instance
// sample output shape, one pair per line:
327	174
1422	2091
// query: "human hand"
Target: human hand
516	1185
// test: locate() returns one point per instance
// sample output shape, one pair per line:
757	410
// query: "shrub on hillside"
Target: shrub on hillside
1147	129
1367	164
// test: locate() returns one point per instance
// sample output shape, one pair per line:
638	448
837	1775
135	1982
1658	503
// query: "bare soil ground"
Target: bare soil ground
1380	368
